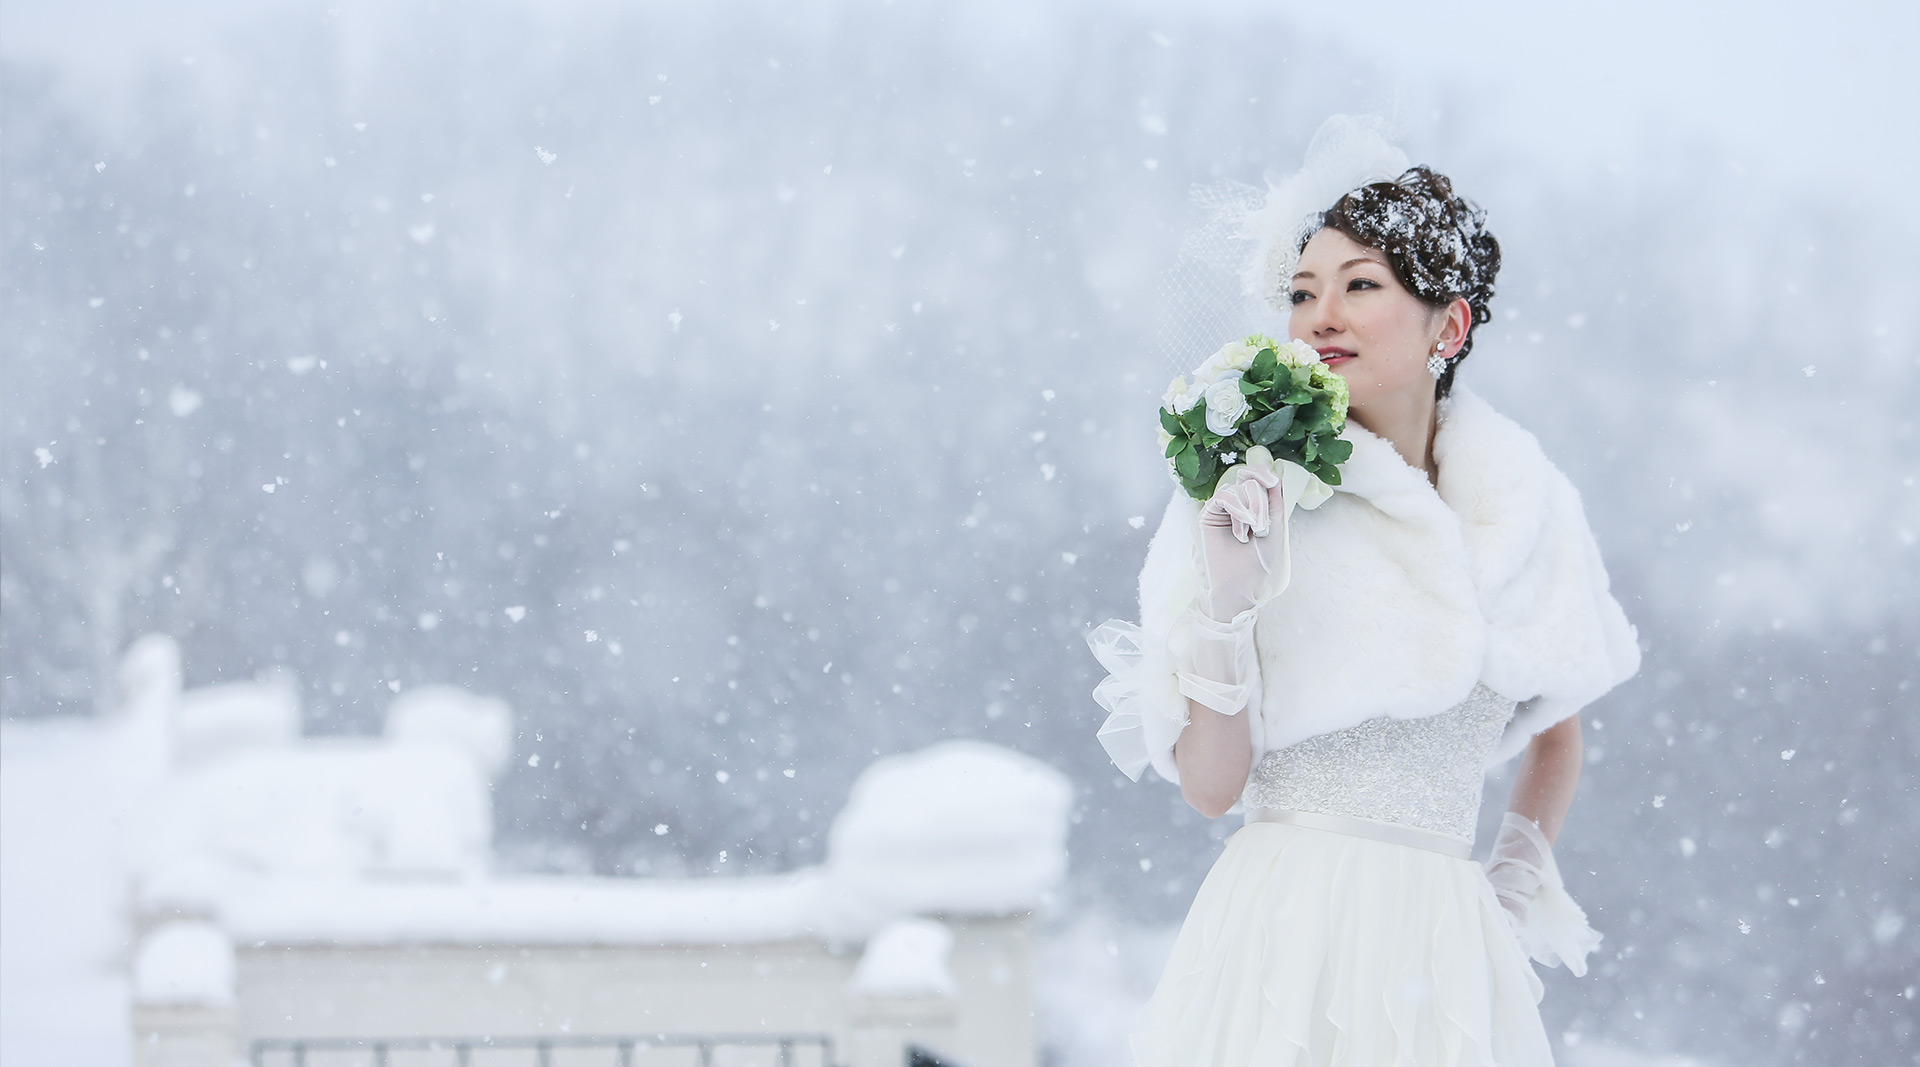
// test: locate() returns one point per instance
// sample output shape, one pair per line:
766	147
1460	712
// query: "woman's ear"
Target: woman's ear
1459	319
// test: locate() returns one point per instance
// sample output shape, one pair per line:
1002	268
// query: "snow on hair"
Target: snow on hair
1436	241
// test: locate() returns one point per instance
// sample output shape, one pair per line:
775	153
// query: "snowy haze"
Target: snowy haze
752	388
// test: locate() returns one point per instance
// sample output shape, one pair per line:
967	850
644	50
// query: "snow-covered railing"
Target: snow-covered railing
293	895
316	1051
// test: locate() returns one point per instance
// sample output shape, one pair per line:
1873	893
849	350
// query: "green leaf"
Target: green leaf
1300	396
1338	450
1177	446
1187	464
1195	419
1170	422
1250	388
1268	429
1311	449
1295	432
1264	364
1209	465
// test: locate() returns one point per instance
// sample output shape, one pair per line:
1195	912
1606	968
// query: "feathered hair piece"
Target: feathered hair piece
1347	152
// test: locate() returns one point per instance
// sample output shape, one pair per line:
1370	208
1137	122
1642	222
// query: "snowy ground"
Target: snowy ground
63	986
64	995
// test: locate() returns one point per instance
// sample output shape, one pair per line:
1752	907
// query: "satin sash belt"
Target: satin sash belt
1391	833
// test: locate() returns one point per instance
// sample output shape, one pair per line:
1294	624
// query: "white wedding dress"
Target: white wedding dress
1344	924
1311	947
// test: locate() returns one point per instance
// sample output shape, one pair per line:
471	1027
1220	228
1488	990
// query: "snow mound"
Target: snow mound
906	958
213	723
325	807
150	682
150	671
527	910
961	826
184	963
449	715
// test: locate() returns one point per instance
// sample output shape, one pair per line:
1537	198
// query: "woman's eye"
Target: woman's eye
1362	283
1298	296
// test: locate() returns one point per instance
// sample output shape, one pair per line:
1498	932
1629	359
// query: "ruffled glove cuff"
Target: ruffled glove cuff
1145	711
1551	928
1214	661
1151	677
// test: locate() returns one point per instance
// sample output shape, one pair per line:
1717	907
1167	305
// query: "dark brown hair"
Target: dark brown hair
1436	242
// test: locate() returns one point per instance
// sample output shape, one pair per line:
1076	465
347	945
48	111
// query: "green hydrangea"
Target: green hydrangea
1336	387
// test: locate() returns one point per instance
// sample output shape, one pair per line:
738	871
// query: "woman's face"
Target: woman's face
1366	326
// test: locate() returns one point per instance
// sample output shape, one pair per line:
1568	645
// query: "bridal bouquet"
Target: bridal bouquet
1255	401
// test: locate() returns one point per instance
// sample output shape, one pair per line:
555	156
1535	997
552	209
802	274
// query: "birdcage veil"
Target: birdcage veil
1232	273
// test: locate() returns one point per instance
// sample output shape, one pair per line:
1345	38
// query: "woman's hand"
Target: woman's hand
1240	562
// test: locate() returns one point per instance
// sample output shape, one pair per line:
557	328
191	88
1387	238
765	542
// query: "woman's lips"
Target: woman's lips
1333	357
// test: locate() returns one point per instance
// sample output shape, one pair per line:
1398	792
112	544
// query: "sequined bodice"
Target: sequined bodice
1417	772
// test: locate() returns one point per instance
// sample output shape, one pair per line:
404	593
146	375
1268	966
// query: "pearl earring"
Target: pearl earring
1436	363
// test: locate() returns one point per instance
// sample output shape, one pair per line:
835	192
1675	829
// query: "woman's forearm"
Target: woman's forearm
1214	755
1549	772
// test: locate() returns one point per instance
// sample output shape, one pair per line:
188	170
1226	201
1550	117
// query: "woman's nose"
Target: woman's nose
1316	318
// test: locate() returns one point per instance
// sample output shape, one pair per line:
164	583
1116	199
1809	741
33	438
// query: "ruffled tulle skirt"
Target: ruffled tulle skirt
1308	948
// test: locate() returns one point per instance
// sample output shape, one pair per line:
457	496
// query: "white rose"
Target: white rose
1297	353
1178	398
1233	358
1225	405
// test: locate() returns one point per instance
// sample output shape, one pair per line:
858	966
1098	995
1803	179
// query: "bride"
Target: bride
1444	608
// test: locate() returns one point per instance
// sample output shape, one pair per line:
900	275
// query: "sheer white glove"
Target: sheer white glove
1241	550
1214	662
1551	927
1242	556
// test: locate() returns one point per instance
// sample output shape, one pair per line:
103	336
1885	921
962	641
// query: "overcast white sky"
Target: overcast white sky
1828	94
1818	95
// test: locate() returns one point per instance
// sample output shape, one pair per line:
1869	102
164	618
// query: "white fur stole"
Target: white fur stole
1405	595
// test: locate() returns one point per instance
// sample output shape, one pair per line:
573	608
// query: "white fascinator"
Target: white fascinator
1347	152
1234	272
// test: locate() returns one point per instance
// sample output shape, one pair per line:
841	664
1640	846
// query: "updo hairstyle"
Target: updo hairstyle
1436	242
